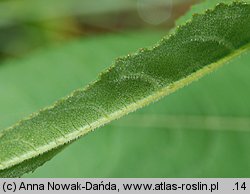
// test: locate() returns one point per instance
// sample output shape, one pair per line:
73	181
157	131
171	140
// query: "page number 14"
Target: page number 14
240	186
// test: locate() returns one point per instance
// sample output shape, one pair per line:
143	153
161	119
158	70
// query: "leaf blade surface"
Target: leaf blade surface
194	50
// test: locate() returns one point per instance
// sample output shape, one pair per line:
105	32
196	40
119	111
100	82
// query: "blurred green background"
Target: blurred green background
49	48
30	24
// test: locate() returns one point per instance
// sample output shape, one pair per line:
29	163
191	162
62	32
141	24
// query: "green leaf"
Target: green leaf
201	7
199	131
194	50
74	69
31	164
24	88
